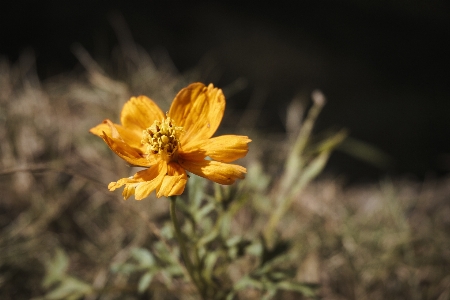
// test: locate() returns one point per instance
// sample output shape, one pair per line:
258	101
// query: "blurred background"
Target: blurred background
376	223
382	64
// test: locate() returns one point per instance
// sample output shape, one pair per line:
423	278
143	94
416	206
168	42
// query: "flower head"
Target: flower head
170	144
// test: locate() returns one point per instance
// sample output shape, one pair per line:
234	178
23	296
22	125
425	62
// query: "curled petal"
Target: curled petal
216	171
199	110
152	180
115	185
129	190
129	183
142	183
114	133
131	137
102	128
174	183
139	113
131	155
225	148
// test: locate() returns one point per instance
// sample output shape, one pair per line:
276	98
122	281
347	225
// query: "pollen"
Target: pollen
162	138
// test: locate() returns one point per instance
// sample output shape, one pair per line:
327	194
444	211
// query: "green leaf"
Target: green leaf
163	253
167	231
70	288
233	241
56	268
200	214
208	237
248	282
174	270
311	171
124	268
278	275
316	166
143	256
305	289
196	190
210	262
230	295
255	249
145	281
167	278
279	250
270	293
256	178
333	141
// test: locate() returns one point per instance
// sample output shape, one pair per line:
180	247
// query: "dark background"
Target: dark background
383	65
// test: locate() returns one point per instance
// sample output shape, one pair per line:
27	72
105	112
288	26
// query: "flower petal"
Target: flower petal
129	183
131	155
101	128
129	190
225	148
174	183
141	183
117	184
139	113
216	171
153	179
131	137
199	110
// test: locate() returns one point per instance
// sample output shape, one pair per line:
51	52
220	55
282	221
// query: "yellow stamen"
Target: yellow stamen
162	138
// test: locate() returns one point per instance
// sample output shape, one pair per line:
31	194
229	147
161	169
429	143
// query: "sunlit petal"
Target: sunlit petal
115	185
151	182
175	181
225	148
101	128
139	113
194	154
216	171
128	190
131	137
131	155
199	110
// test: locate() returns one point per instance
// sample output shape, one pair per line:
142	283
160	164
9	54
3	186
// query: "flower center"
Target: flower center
162	138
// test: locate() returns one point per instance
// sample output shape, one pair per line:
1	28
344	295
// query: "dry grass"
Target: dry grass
382	241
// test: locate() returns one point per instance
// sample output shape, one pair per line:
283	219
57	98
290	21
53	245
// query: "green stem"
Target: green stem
294	166
184	252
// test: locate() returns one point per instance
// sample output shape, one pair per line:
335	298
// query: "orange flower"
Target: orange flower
168	145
